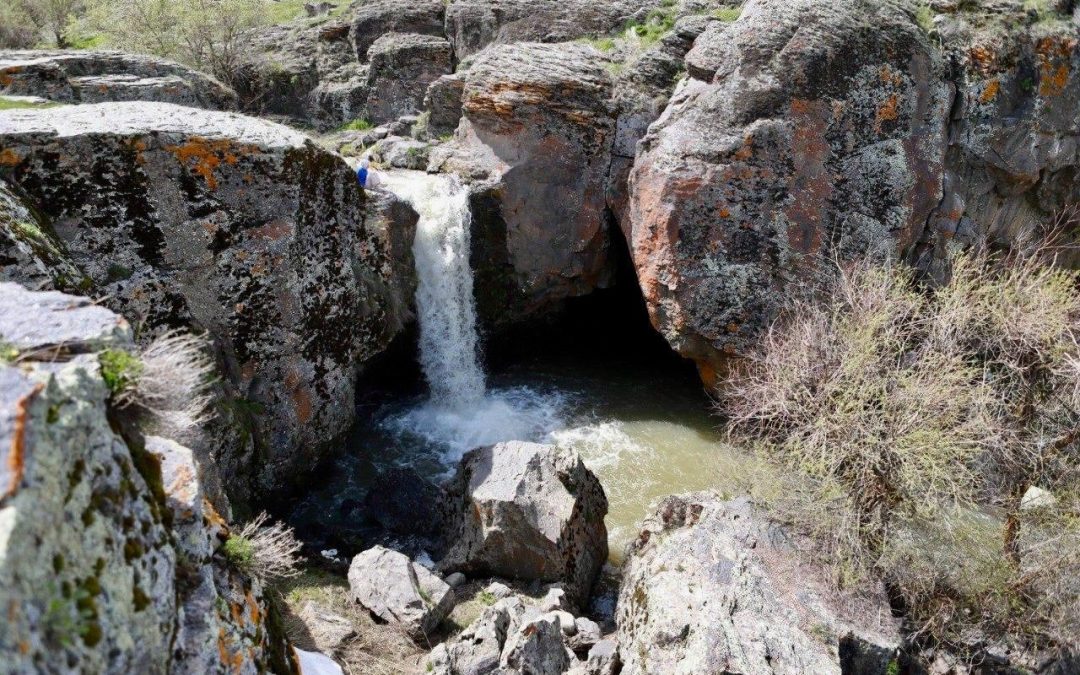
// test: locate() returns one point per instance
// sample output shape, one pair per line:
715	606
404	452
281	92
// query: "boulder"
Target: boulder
372	20
442	102
478	649
236	226
528	511
537	648
100	76
401	66
536	136
329	631
603	659
711	586
107	541
810	130
399	591
30	252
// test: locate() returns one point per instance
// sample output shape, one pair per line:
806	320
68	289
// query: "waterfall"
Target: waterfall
460	413
444	297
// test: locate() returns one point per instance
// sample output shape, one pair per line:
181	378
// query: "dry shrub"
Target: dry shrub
920	419
171	384
265	552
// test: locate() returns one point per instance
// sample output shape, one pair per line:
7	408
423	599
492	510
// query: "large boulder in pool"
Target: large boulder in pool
179	217
711	586
98	76
528	511
808	131
398	591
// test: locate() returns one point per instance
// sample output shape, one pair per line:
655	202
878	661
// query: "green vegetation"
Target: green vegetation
917	423
924	16
486	598
120	369
656	25
240	552
8	103
728	14
359	124
118	273
8	352
603	44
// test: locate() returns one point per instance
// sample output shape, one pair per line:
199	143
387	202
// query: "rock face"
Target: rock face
808	130
232	225
1014	142
97	77
107	547
536	134
711	587
528	511
398	591
401	66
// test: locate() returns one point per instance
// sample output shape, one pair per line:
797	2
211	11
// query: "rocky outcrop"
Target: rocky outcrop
97	77
536	137
475	24
528	511
372	20
809	130
236	226
30	252
108	550
711	586
401	66
1014	142
399	591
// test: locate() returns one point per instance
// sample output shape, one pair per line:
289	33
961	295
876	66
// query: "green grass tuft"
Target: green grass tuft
120	369
728	14
359	124
7	103
240	552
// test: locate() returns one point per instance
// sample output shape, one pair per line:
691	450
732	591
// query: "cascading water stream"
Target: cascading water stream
460	413
444	297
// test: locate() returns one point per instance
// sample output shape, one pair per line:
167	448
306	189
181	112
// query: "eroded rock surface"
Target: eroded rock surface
236	226
711	587
528	511
808	130
108	550
100	76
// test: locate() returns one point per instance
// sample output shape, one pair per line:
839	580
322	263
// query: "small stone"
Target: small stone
554	599
586	635
397	590
603	658
537	648
454	580
499	590
566	621
1037	498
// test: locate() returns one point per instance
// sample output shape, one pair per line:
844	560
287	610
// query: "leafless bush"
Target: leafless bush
171	383
921	420
266	552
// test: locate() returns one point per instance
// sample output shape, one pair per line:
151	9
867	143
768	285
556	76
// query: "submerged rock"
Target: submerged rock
399	591
528	511
236	226
80	76
711	586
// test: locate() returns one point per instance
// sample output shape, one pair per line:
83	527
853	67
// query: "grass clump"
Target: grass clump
8	352
265	552
918	420
924	16
728	14
359	124
121	370
8	103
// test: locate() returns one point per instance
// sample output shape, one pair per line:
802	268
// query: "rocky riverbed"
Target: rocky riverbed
692	164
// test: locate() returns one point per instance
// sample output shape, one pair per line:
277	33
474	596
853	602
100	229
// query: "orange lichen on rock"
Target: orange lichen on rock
204	156
8	157
16	459
1054	57
888	111
991	91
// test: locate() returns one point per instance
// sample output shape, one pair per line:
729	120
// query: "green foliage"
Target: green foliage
728	14
7	103
240	552
924	16
893	668
8	352
359	124
118	273
120	369
486	598
656	25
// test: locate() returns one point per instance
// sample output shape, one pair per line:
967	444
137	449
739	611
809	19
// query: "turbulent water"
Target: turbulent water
643	427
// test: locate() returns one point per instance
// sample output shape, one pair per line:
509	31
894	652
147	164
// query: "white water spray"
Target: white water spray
461	414
444	297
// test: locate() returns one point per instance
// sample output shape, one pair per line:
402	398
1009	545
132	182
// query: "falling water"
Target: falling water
444	297
460	413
